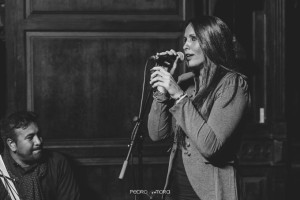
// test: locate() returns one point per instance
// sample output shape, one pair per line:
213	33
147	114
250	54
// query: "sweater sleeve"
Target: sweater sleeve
159	119
209	136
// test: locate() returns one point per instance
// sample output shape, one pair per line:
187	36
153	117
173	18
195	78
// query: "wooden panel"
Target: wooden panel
262	152
101	5
276	61
97	166
294	180
2	61
263	182
108	151
103	183
88	85
259	60
254	188
171	9
2	19
293	96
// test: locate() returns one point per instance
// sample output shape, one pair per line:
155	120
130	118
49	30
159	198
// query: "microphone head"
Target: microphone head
168	58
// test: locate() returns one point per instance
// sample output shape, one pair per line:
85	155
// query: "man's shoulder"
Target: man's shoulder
55	157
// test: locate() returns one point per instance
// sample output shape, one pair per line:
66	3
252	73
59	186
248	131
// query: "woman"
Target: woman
204	112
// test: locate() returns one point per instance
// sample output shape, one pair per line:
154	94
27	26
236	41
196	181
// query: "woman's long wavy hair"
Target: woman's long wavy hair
216	41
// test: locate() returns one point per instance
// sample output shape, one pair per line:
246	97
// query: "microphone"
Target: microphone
162	59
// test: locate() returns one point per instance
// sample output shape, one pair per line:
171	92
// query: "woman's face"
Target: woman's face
193	53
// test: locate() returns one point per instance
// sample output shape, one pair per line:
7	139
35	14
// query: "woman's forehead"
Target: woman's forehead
189	30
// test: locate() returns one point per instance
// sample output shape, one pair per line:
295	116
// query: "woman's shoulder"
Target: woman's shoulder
233	80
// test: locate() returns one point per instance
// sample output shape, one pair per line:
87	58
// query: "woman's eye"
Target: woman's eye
194	38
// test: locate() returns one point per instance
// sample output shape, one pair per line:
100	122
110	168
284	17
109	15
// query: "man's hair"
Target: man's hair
20	119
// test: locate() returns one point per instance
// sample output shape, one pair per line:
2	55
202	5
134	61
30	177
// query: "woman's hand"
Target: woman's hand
164	82
174	65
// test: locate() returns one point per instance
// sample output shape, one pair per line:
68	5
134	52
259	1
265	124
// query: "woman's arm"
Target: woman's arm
209	136
159	119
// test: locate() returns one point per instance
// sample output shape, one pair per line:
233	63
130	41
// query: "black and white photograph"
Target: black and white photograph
149	100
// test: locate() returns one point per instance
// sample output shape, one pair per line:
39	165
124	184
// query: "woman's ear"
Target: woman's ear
11	144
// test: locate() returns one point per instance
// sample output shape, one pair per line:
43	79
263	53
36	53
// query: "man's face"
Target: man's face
28	144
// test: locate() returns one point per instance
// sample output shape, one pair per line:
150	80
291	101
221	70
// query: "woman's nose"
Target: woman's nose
186	45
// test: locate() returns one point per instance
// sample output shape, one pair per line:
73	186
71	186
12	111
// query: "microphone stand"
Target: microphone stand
137	137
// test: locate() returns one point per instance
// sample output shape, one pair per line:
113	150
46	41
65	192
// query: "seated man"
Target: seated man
31	172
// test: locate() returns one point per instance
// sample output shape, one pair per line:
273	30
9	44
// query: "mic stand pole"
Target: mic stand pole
136	136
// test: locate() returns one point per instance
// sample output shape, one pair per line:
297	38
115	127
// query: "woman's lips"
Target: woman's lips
188	56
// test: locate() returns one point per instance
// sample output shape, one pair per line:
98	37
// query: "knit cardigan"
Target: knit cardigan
212	134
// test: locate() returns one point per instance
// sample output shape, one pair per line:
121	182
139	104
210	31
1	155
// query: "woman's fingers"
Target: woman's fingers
158	68
174	67
159	76
158	71
170	52
156	79
157	84
173	52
